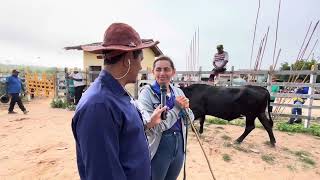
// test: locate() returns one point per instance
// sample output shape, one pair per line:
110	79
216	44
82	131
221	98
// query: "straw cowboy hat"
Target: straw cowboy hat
119	37
75	69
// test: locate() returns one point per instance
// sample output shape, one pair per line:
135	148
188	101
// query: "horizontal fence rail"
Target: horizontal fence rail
197	77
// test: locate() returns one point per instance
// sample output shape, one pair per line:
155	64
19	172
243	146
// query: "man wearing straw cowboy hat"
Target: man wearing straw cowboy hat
107	126
78	83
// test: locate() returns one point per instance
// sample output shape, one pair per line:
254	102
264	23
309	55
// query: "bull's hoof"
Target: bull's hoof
200	131
237	141
273	144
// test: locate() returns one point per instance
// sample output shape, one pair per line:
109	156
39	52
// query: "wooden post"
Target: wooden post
86	72
56	83
66	77
269	79
313	78
200	73
231	76
136	89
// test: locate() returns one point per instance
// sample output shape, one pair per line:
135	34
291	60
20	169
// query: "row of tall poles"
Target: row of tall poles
277	51
263	43
300	56
192	54
275	56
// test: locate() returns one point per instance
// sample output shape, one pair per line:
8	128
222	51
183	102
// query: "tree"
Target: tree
296	66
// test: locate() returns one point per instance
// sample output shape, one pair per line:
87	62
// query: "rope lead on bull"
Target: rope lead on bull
198	138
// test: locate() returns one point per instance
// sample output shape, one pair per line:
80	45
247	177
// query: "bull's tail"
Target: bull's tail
269	108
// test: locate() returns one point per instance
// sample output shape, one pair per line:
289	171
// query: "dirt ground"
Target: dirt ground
40	145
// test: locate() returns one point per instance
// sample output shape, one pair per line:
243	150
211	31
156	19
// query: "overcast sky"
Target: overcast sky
34	32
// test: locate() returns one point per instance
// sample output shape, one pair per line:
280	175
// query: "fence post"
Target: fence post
200	69
66	77
231	76
136	89
56	83
313	78
269	79
87	77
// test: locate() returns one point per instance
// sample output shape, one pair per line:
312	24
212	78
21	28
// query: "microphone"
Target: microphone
163	100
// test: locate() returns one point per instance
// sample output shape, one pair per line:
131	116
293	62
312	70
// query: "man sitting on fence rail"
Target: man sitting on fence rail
220	61
299	101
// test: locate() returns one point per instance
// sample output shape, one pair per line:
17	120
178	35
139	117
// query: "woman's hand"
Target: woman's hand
155	118
182	101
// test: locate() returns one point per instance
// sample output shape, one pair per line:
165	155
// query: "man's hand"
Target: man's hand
155	118
214	64
224	63
182	101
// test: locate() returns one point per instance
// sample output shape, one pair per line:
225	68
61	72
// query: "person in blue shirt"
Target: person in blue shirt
107	126
298	100
14	87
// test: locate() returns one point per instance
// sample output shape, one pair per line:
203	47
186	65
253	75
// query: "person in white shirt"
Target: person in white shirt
221	58
78	83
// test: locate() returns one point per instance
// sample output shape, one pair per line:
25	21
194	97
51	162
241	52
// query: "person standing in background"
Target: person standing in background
78	83
296	111
14	87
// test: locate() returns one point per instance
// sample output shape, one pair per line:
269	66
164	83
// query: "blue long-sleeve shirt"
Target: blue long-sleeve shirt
14	84
303	90
110	139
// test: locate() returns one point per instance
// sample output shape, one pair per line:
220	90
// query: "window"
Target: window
94	72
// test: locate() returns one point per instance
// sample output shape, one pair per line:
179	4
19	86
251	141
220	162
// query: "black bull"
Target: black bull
230	103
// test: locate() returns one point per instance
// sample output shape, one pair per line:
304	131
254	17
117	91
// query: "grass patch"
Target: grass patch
236	122
291	168
226	157
227	144
302	153
304	157
242	149
63	104
267	143
299	128
59	103
225	137
217	121
308	160
251	146
285	149
269	158
279	125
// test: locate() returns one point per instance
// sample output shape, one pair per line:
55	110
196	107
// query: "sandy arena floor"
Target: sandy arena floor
40	145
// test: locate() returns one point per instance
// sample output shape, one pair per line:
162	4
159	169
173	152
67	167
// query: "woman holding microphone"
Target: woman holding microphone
167	139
